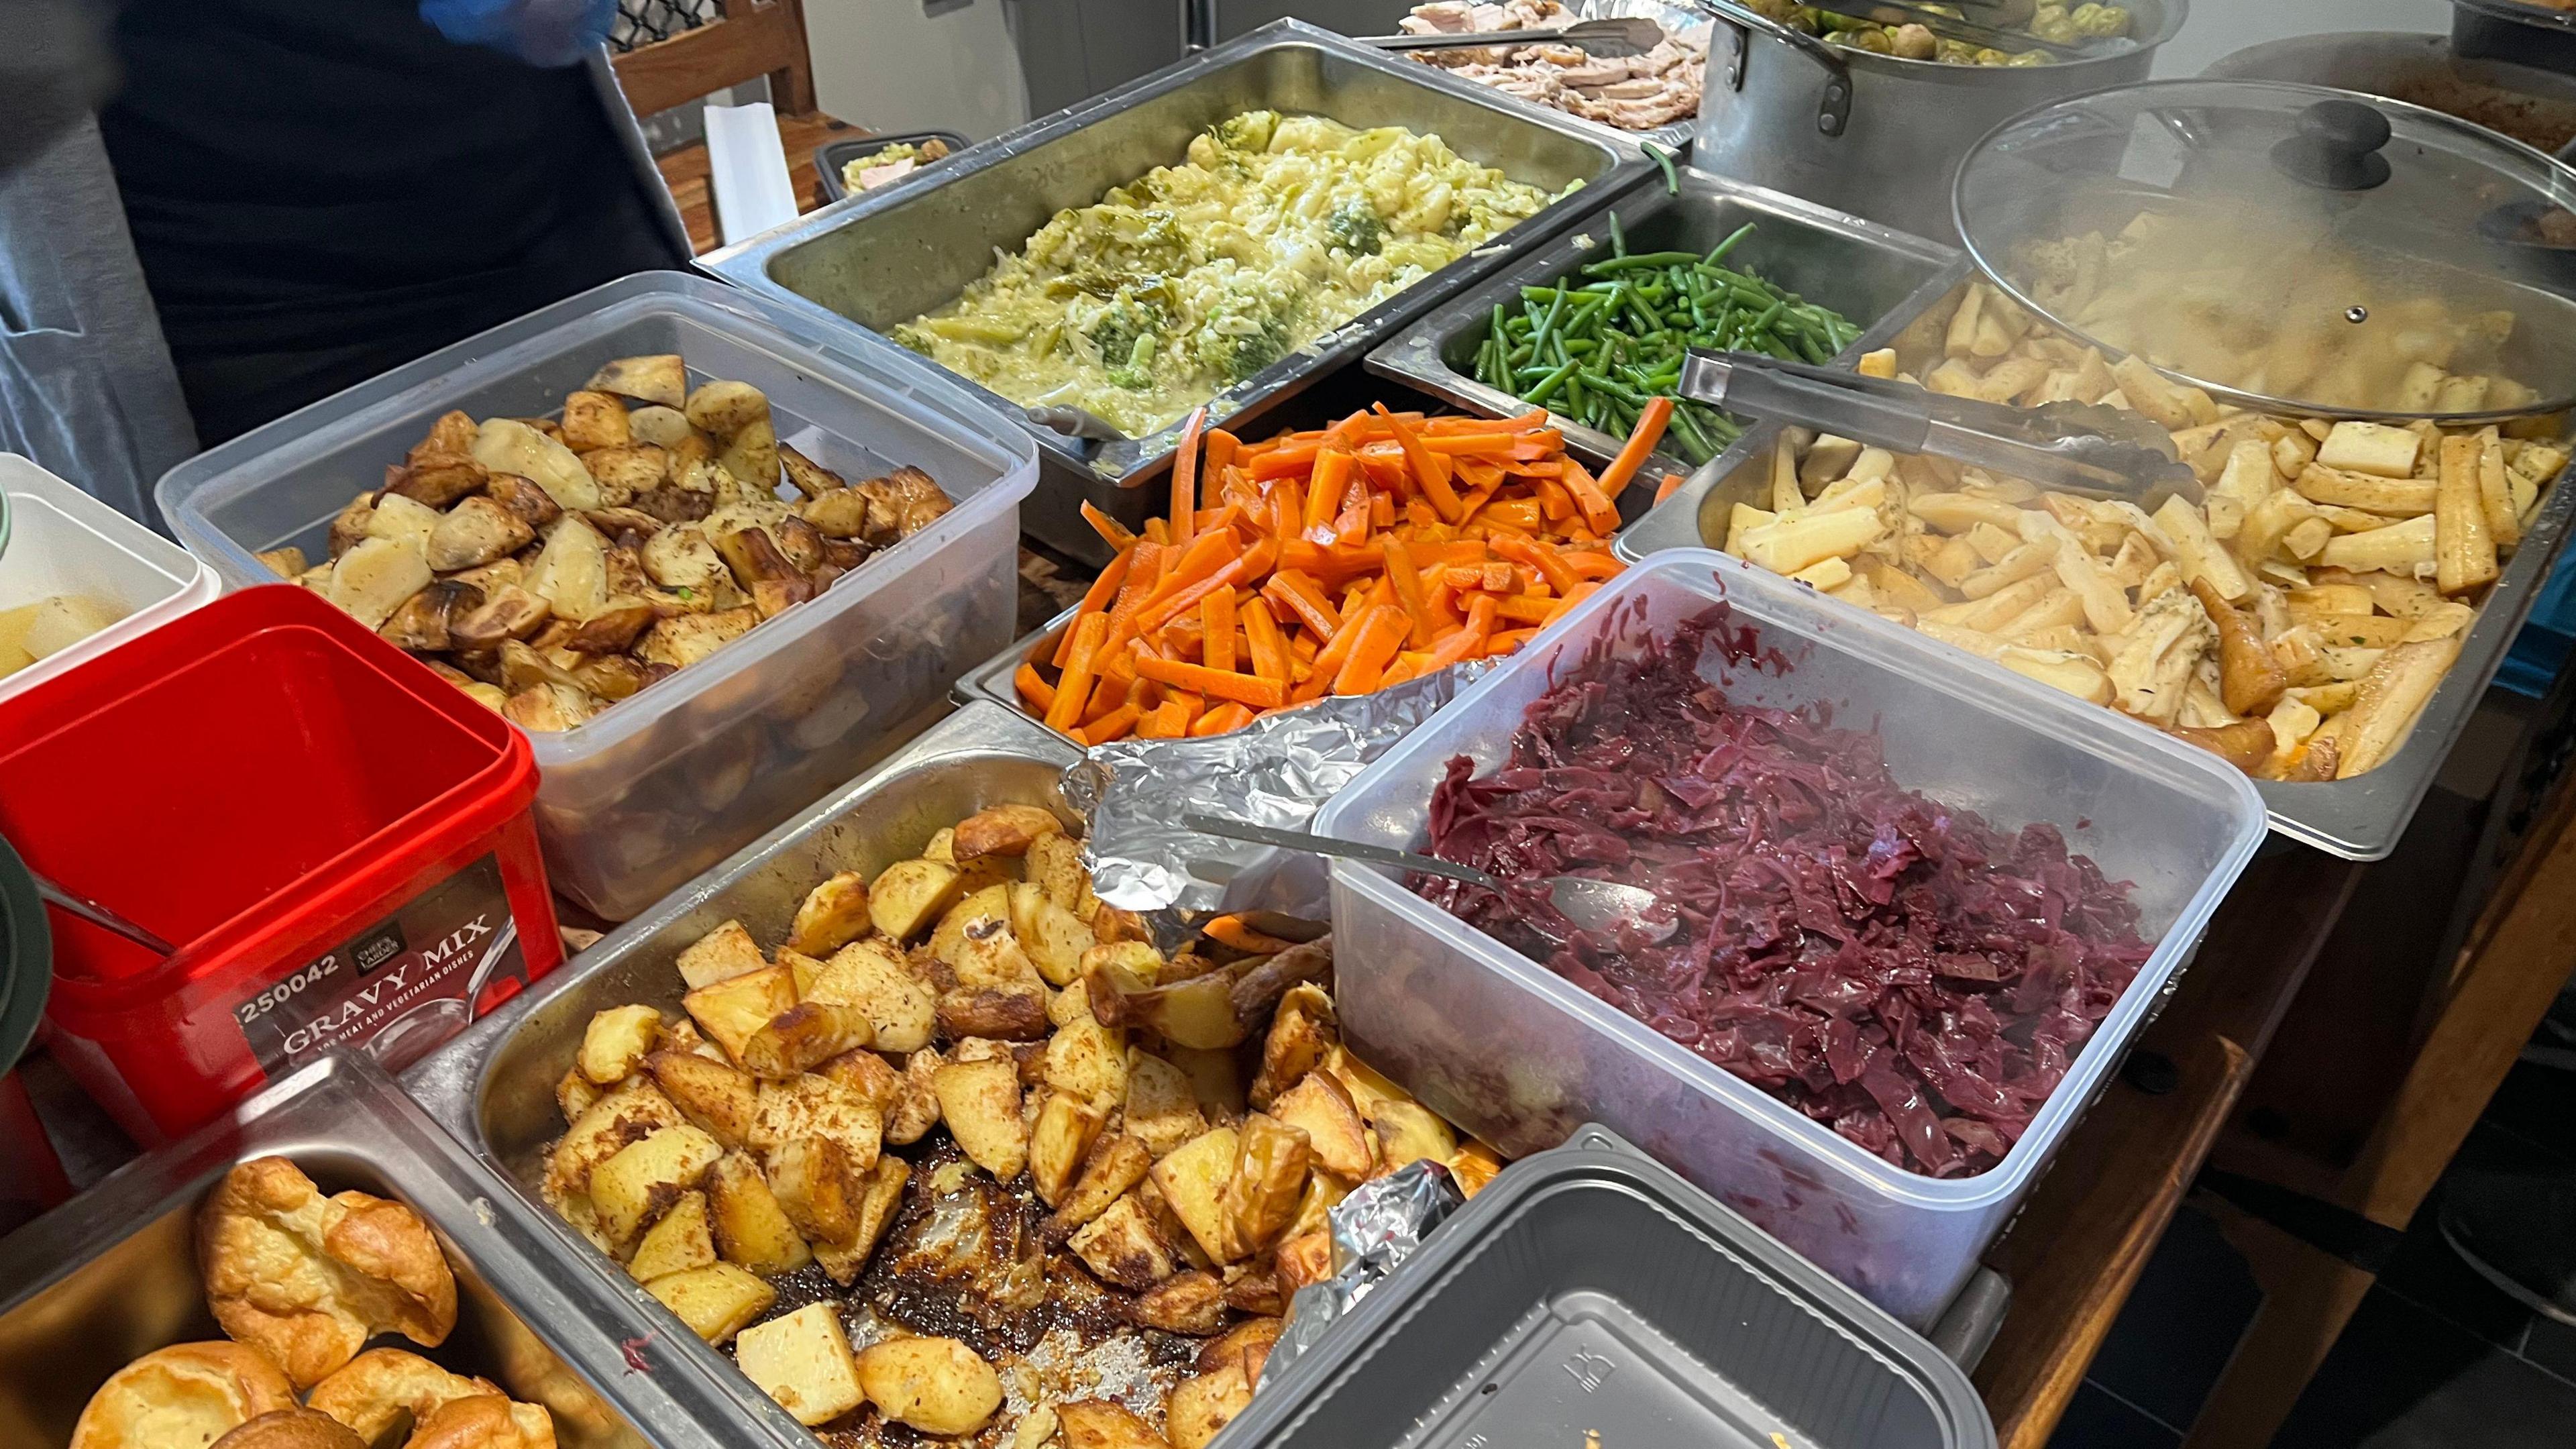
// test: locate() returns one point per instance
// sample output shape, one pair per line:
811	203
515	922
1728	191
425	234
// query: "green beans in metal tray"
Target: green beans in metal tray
1600	350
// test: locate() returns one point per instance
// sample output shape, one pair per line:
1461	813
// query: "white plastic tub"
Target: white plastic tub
62	541
1506	1048
660	786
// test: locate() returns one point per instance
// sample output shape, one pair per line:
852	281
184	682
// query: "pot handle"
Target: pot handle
1833	109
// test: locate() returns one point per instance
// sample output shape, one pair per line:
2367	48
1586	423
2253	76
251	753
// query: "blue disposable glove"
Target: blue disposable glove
540	32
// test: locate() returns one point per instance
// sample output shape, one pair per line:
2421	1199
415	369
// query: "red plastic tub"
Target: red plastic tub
338	841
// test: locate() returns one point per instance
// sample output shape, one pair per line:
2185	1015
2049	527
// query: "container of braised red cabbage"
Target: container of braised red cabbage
1920	908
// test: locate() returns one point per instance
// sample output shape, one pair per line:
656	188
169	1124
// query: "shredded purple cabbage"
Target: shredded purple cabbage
1898	970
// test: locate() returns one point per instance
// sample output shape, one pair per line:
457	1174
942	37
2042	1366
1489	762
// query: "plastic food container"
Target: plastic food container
831	156
338	842
62	541
663	785
1589	1295
1507	1049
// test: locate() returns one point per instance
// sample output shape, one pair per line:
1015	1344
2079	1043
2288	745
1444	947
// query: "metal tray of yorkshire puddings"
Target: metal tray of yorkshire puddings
494	1086
1591	1297
884	257
114	1274
2357	819
1875	276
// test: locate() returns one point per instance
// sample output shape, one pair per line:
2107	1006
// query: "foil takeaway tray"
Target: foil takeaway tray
1590	1295
885	256
1875	276
2357	819
113	1275
493	1087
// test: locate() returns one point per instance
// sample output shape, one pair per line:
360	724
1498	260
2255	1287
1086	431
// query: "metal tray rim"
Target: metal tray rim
1412	356
1133	461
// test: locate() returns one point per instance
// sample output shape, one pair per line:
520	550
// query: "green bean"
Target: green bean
1664	158
1602	342
1626	263
1690	433
1618	238
1545	387
1718	253
1547	325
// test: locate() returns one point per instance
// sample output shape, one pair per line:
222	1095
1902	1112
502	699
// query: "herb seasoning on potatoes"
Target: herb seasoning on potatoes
1011	1172
550	568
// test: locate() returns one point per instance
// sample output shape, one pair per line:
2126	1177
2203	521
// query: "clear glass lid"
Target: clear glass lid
2288	247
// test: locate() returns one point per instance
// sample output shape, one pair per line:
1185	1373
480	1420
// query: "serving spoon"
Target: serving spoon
1593	905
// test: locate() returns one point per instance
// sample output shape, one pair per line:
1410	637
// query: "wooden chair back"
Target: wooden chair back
755	38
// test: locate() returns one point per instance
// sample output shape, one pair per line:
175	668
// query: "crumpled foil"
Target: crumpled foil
1277	771
1375	1228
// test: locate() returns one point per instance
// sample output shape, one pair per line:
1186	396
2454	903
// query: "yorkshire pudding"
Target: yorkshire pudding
292	1429
182	1397
448	1411
308	1279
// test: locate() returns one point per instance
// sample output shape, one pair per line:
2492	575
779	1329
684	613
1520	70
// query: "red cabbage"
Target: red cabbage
1901	971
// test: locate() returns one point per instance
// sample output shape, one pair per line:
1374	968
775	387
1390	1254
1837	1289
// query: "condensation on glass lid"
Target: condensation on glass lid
2291	248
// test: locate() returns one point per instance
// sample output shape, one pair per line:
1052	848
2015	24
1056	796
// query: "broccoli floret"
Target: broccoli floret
1357	227
1249	352
1244	335
1250	131
1127	334
1136	374
2102	20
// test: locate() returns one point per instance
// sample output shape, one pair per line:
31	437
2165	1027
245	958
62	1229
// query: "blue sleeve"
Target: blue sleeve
540	32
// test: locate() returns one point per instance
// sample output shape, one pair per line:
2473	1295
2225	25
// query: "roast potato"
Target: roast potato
716	1301
937	1385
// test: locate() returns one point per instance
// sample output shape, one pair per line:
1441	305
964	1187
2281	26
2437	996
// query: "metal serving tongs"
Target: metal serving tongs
1608	37
1966	32
2079	448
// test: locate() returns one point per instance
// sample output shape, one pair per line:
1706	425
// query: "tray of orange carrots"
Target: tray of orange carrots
1333	560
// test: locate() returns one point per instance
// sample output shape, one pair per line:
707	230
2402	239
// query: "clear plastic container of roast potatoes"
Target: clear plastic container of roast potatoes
1506	1048
659	787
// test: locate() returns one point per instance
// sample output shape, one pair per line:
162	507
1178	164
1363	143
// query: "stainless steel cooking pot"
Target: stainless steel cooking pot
1872	134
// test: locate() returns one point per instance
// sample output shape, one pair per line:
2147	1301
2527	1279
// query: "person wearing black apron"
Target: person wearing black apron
320	190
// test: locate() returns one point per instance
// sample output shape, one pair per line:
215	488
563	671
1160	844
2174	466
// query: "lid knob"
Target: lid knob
2336	148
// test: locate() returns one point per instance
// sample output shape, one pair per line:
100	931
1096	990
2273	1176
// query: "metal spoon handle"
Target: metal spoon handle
1345	849
99	916
1468	40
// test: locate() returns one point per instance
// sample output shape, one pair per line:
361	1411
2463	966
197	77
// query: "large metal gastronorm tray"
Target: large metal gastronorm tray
1674	137
113	1275
1591	1295
1873	275
883	257
2357	819
494	1086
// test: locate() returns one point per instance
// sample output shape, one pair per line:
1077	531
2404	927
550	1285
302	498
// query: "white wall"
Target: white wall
893	65
2223	27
